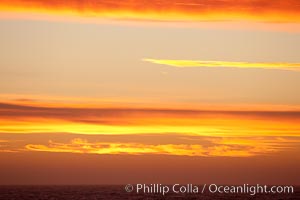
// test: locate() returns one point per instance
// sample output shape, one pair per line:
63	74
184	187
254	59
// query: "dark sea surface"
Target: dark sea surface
115	192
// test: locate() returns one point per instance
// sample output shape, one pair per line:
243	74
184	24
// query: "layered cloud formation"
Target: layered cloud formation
139	131
28	119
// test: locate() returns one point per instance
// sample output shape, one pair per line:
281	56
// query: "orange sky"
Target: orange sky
107	103
192	10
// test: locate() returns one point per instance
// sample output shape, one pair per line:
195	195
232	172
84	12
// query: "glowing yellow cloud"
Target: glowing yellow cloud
225	64
233	147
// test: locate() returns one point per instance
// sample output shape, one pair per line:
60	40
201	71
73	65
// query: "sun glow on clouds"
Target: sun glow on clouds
116	121
236	133
224	64
233	147
192	10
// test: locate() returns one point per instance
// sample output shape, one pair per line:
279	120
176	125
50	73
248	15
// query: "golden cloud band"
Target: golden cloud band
191	10
126	130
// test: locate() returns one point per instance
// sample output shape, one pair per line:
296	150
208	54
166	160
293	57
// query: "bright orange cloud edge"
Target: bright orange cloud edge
228	10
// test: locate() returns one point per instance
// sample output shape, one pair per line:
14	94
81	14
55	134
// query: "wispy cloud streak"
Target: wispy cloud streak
225	64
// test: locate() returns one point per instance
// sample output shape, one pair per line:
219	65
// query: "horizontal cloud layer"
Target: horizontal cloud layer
191	10
225	64
231	148
143	131
116	121
169	144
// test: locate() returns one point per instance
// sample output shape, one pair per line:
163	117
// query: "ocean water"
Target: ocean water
115	193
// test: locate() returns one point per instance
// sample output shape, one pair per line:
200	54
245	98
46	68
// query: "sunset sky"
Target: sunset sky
110	92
